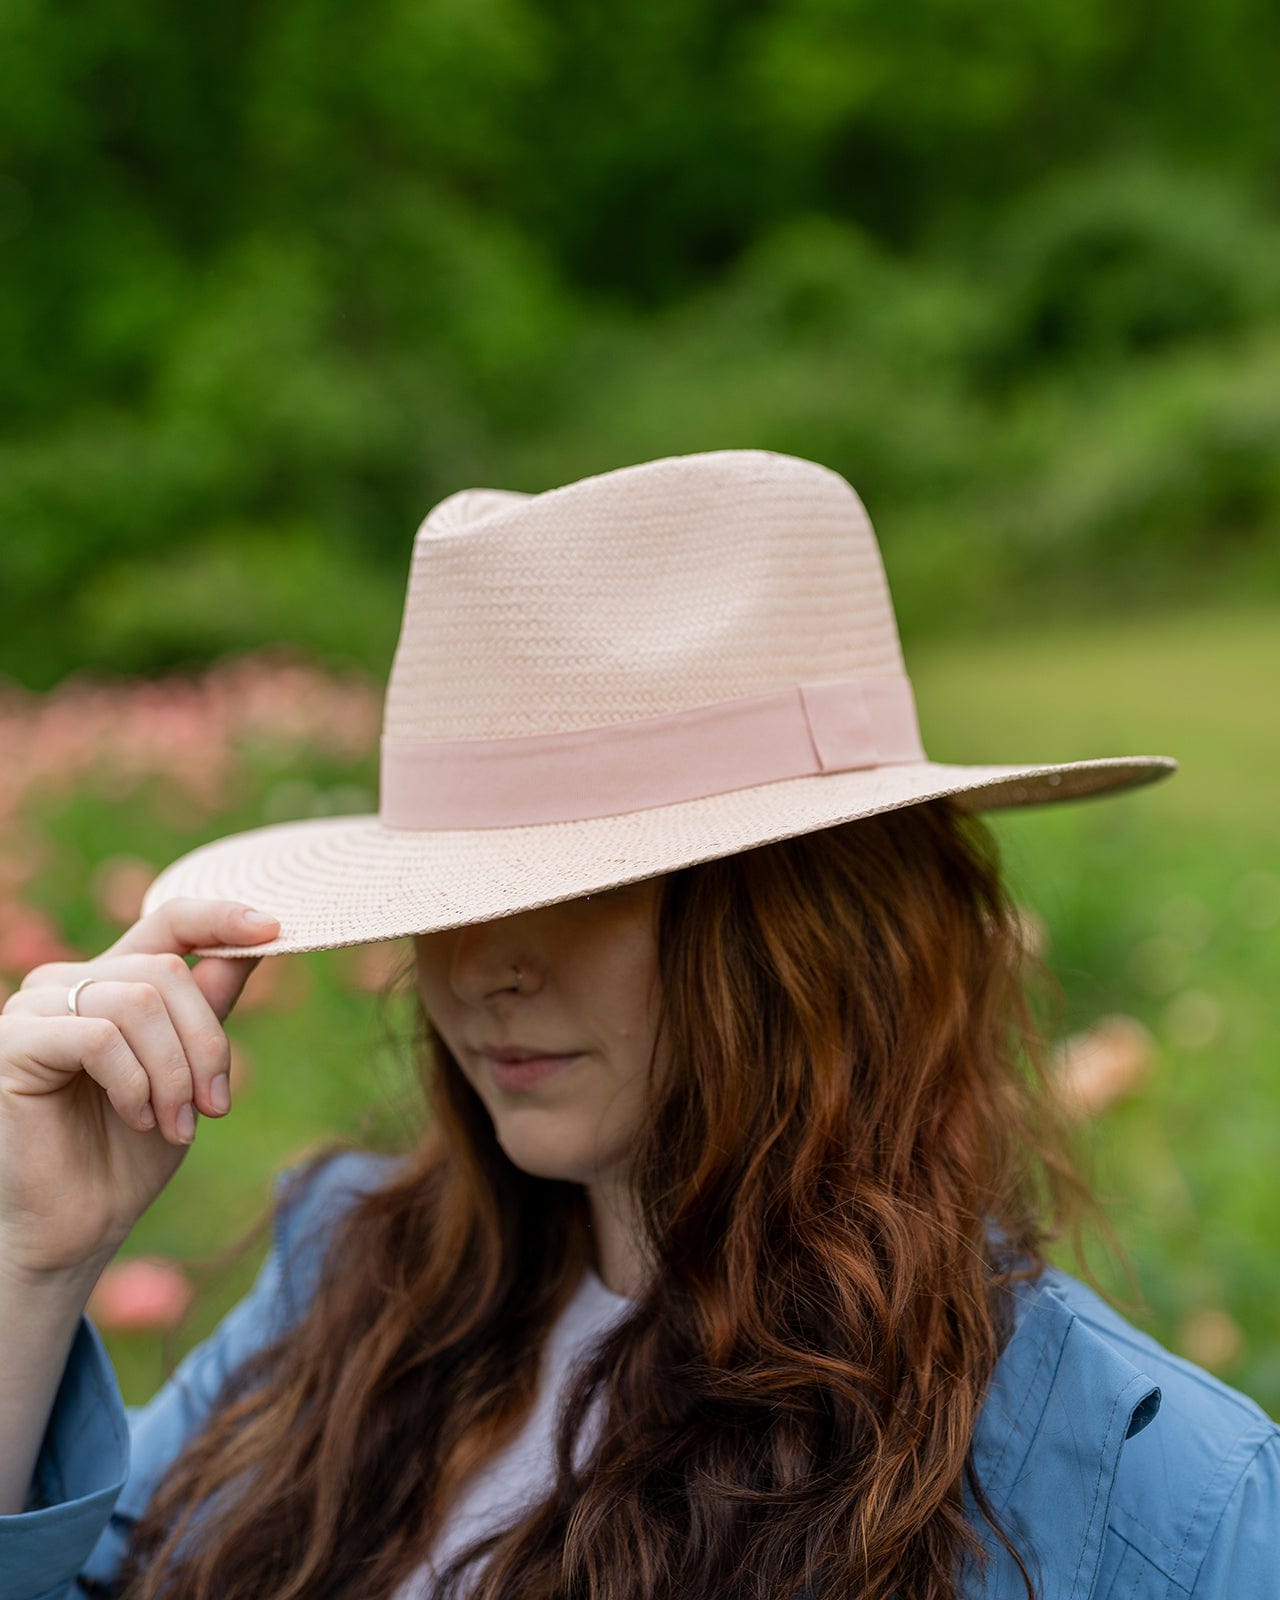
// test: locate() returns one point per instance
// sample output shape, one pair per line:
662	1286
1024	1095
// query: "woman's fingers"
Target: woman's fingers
140	1013
172	930
132	1027
184	924
203	1043
161	1014
156	1023
221	979
92	1045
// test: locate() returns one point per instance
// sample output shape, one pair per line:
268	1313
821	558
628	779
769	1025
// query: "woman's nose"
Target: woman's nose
490	959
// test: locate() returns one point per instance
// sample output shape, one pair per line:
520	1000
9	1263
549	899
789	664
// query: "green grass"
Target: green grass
1163	903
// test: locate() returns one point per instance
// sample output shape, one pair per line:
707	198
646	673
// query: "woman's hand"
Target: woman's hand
97	1110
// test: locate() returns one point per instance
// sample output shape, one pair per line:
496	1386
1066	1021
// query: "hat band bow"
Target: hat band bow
834	725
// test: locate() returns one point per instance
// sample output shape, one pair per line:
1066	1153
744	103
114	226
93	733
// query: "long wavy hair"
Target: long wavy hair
852	1153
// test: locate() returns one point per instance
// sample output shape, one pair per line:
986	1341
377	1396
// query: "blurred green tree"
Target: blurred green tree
301	270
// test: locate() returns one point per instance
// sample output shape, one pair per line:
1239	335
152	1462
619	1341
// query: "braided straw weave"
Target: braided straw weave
643	593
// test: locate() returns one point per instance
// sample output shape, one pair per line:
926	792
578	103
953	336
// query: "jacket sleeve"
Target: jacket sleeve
1242	1561
99	1459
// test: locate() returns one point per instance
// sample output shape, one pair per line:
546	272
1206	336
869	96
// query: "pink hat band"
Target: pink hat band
833	726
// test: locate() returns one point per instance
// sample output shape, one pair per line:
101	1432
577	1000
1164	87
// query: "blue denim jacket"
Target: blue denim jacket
1122	1471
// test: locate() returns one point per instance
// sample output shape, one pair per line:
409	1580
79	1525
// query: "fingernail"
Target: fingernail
258	919
220	1093
187	1123
147	1116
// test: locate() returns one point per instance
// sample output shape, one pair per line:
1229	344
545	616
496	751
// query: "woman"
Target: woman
721	1270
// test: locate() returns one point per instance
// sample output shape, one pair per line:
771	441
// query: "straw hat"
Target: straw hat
648	668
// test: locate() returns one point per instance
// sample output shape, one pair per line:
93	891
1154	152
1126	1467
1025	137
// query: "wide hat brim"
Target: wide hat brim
337	881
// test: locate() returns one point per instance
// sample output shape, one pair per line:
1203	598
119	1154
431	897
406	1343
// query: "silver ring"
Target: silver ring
73	992
519	977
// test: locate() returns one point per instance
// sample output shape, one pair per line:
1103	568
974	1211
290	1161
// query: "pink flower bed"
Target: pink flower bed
192	734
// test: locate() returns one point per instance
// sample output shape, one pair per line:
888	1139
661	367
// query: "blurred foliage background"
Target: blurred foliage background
273	280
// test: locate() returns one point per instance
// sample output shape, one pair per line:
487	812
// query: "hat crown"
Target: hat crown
644	591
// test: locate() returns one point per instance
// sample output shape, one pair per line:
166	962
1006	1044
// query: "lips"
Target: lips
517	1052
527	1072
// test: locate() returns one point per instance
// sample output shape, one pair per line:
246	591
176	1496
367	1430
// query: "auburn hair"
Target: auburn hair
852	1153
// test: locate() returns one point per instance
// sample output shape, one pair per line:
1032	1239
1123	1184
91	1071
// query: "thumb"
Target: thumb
221	980
184	923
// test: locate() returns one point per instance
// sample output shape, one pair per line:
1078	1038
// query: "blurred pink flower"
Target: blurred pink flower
1094	1068
1211	1338
118	885
19	863
192	732
28	938
142	1293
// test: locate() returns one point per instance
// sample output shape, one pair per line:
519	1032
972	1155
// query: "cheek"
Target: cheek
617	1114
624	993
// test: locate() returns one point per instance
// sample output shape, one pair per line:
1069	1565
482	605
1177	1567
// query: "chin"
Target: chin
543	1152
540	1162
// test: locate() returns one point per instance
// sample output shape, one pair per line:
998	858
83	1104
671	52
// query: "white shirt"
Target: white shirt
523	1471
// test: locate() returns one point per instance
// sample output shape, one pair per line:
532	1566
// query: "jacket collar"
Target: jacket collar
1061	1402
